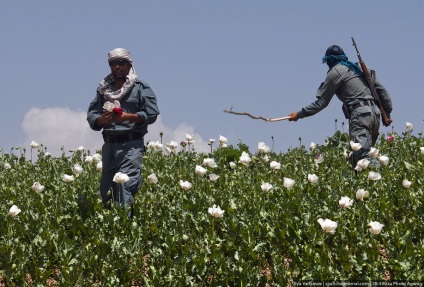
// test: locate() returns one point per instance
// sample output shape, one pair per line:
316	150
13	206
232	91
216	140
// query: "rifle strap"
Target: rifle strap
372	77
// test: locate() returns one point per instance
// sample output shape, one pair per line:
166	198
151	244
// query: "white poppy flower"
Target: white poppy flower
406	183
80	149
233	165
120	177
373	152
34	144
200	170
345	202
154	146
263	148
153	179
99	166
211	141
14	210
275	165
97	158
109	106
151	145
362	164
288	182
312	178
171	146
216	211
374	176
7	165
213	177
266	186
384	160
185	185
88	159
190	138
328	225
355	146
209	162
68	178
47	154
77	169
158	146
361	194
319	158
409	126
37	187
222	141
265	158
244	158
375	227
312	146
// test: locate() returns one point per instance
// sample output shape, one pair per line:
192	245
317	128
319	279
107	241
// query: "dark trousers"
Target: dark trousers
364	127
125	157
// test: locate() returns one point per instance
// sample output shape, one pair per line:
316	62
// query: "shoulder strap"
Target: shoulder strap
372	76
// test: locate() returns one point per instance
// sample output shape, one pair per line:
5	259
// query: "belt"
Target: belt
362	103
122	137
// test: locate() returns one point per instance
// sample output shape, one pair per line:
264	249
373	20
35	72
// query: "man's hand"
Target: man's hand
127	117
109	117
293	117
389	121
104	119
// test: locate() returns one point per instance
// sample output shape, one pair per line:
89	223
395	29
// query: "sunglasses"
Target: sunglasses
119	63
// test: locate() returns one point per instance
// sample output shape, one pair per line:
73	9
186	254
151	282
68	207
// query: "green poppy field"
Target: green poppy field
235	216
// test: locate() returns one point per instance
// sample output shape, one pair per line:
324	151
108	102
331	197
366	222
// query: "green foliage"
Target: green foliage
63	233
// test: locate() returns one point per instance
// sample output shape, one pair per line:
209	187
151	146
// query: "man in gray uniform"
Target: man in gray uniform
123	107
346	81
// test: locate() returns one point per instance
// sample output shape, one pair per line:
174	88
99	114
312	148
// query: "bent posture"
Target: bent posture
345	80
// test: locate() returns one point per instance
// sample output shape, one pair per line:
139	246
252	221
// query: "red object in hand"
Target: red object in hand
118	111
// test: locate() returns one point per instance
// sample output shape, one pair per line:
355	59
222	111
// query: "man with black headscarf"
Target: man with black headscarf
123	108
345	80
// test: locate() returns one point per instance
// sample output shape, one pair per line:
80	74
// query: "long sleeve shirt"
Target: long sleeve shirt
348	87
141	100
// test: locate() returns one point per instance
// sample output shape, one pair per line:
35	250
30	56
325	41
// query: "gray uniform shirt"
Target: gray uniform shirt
348	87
141	100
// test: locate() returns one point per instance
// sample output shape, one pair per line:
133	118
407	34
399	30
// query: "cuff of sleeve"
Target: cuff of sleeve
143	116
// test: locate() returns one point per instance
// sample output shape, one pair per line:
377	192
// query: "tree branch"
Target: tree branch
230	111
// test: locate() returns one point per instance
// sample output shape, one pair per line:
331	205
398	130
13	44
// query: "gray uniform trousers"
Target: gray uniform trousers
125	157
364	124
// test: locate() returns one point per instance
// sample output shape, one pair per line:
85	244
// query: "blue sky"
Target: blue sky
201	57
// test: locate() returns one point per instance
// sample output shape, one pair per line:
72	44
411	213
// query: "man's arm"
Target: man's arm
95	118
149	110
134	118
324	95
385	99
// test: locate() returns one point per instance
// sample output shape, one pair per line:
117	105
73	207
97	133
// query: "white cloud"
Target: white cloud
57	127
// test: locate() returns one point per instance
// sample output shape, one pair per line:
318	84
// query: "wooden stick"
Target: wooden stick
256	117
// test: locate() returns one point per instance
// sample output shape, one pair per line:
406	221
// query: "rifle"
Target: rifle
370	81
